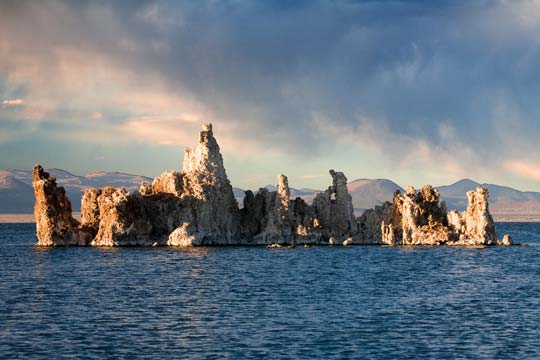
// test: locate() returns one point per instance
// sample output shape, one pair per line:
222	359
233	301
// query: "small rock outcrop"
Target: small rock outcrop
197	207
506	241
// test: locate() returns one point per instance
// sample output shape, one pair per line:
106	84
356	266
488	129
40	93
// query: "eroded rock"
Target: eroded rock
197	207
123	220
506	240
166	183
206	158
334	210
90	214
416	218
420	218
371	226
216	217
276	223
185	235
55	225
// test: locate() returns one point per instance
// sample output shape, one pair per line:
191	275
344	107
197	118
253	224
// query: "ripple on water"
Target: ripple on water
354	302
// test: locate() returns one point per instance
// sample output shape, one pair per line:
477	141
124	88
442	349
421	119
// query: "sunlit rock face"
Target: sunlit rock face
474	226
55	225
420	218
197	207
166	183
417	218
216	217
190	208
206	158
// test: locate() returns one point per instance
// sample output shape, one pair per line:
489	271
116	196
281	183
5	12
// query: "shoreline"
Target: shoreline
501	218
25	218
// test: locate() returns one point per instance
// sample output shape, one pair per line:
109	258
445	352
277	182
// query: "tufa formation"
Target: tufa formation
197	207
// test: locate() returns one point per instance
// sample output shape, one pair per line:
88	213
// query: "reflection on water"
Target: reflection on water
237	302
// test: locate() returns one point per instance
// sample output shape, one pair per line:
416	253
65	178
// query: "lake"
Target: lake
253	302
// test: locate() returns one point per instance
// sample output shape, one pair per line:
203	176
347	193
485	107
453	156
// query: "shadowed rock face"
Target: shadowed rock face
369	225
90	218
270	217
197	207
334	209
123	219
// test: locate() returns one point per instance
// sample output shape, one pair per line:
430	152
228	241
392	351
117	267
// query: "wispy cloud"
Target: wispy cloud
12	102
162	130
313	176
523	169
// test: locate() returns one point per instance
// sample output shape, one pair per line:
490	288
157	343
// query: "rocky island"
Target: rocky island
197	207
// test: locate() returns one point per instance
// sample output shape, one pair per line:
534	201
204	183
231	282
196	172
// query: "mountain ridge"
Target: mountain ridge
16	194
16	199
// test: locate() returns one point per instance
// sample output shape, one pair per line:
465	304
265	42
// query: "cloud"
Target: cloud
313	176
12	102
432	90
523	169
162	130
444	157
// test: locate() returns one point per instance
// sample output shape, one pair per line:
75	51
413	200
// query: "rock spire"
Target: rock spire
55	225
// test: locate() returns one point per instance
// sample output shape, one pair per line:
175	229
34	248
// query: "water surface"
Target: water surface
238	302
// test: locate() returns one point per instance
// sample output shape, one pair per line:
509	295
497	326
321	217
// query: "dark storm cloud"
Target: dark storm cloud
449	73
412	64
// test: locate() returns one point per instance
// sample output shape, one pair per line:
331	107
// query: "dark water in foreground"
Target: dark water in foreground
355	302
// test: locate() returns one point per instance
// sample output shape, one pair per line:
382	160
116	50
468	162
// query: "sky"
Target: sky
413	91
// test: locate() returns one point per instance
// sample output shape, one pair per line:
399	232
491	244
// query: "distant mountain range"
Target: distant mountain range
366	193
16	194
500	197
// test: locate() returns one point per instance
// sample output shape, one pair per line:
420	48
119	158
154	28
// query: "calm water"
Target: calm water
355	302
